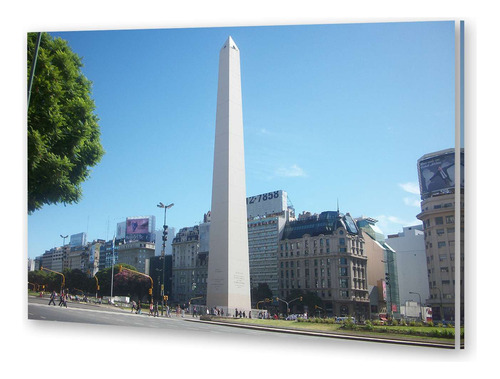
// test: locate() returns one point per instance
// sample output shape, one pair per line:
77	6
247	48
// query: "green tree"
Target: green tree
261	292
51	280
77	279
63	131
104	278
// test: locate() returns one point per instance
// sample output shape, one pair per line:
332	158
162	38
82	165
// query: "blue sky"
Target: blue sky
330	112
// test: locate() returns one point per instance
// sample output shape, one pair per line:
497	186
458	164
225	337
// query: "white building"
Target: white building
158	241
411	263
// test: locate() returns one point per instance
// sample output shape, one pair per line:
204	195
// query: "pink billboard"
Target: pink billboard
137	225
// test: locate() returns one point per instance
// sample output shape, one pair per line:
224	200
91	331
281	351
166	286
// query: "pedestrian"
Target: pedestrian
236	313
61	299
133	306
222	312
244	314
53	298
157	314
139	307
151	308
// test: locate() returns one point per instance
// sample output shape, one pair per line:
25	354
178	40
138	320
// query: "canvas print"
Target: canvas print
295	179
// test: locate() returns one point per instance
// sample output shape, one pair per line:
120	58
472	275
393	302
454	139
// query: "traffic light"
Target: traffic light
150	291
120	268
387	277
300	298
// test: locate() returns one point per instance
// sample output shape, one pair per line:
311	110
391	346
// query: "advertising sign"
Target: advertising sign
267	203
137	225
437	173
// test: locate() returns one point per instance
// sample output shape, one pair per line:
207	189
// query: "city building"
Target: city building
382	268
411	264
324	254
158	241
135	254
443	230
267	215
185	249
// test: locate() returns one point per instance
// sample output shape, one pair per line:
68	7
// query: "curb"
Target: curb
330	335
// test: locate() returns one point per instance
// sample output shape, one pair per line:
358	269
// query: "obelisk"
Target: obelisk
228	284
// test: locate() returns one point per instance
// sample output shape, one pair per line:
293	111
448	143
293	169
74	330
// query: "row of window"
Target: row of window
343	284
440	221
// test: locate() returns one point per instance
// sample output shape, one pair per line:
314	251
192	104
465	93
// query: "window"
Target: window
341	241
442	257
344	283
450	219
342	261
343	271
438	220
440	232
441	244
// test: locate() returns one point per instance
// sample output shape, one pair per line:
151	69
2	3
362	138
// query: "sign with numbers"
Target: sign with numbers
267	203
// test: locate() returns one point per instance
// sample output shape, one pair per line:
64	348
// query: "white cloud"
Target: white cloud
410	187
292	171
393	224
412	202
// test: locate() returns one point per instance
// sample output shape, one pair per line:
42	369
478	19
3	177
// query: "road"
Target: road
38	309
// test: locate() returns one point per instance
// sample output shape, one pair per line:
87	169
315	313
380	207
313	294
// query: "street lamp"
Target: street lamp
419	303
64	238
164	238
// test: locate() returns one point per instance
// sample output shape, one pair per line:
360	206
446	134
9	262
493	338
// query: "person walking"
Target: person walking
61	299
53	298
151	308
156	312
138	307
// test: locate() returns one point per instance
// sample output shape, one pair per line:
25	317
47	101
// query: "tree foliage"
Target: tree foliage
261	292
63	131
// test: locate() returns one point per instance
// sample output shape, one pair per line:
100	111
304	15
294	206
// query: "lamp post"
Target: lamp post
419	304
64	238
164	238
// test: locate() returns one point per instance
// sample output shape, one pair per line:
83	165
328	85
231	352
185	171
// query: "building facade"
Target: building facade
411	264
324	254
185	249
441	191
135	254
382	267
267	215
